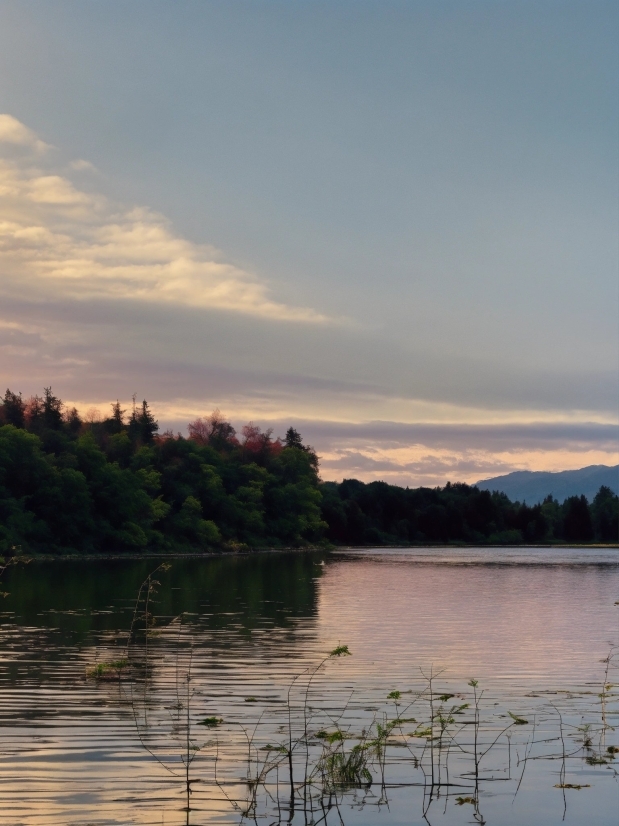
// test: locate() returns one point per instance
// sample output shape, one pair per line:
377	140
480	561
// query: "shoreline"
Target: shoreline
312	549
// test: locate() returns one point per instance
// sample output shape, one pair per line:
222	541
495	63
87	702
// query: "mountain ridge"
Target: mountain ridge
533	486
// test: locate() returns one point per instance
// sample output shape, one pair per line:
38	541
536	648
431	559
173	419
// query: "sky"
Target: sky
392	225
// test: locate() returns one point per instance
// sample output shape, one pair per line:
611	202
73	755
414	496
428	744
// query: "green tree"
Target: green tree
122	508
52	410
42	506
147	424
605	515
293	500
13	409
577	524
116	421
553	515
293	439
193	528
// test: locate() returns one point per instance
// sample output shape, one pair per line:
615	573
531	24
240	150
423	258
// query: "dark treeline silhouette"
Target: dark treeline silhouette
73	484
382	514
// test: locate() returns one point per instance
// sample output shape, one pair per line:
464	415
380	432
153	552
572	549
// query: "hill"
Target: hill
533	486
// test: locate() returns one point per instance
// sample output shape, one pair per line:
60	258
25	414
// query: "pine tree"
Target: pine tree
293	439
13	409
52	410
147	424
117	420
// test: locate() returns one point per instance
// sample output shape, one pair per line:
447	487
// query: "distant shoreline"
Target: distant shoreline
329	550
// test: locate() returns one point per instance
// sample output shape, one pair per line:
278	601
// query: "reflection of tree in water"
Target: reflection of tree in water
255	588
90	604
313	750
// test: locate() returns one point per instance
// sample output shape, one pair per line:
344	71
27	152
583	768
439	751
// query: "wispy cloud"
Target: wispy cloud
433	454
58	241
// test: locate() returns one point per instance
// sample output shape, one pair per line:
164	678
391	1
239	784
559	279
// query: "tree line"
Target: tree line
73	484
382	514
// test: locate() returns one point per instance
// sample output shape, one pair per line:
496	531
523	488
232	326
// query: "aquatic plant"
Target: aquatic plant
306	755
111	668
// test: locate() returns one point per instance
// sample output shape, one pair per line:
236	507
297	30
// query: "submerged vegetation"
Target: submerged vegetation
80	485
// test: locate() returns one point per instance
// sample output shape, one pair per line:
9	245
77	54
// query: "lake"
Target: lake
463	686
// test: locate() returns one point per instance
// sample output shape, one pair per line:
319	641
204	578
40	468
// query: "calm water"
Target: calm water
532	627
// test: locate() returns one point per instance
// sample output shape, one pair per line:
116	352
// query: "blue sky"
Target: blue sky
393	224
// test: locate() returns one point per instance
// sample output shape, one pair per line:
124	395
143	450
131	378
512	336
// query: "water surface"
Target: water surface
533	627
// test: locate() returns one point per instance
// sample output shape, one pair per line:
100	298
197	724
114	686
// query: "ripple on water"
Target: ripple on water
531	625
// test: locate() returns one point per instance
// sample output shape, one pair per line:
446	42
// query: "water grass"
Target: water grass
309	753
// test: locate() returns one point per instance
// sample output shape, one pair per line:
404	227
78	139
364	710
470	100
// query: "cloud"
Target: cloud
497	437
81	165
91	363
58	241
314	371
424	465
434	454
102	301
14	132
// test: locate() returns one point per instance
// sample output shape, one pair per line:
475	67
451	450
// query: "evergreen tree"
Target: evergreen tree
577	524
116	422
605	515
146	424
52	410
293	439
13	409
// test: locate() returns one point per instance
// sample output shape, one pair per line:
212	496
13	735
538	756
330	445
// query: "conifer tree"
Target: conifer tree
117	420
13	409
147	424
52	410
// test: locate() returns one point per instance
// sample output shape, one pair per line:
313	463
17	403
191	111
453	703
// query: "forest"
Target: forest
105	484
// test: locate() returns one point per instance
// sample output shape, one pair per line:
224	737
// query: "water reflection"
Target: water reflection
531	617
84	596
79	749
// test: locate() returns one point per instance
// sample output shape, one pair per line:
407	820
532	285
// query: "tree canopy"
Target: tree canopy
115	483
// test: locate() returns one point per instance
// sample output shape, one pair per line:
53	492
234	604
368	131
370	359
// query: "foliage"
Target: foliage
68	485
115	483
382	514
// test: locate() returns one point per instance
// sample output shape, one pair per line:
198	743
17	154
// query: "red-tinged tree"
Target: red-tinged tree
199	431
253	437
33	414
259	446
212	430
166	436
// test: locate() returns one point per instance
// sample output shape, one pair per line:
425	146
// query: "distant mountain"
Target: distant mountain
533	486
